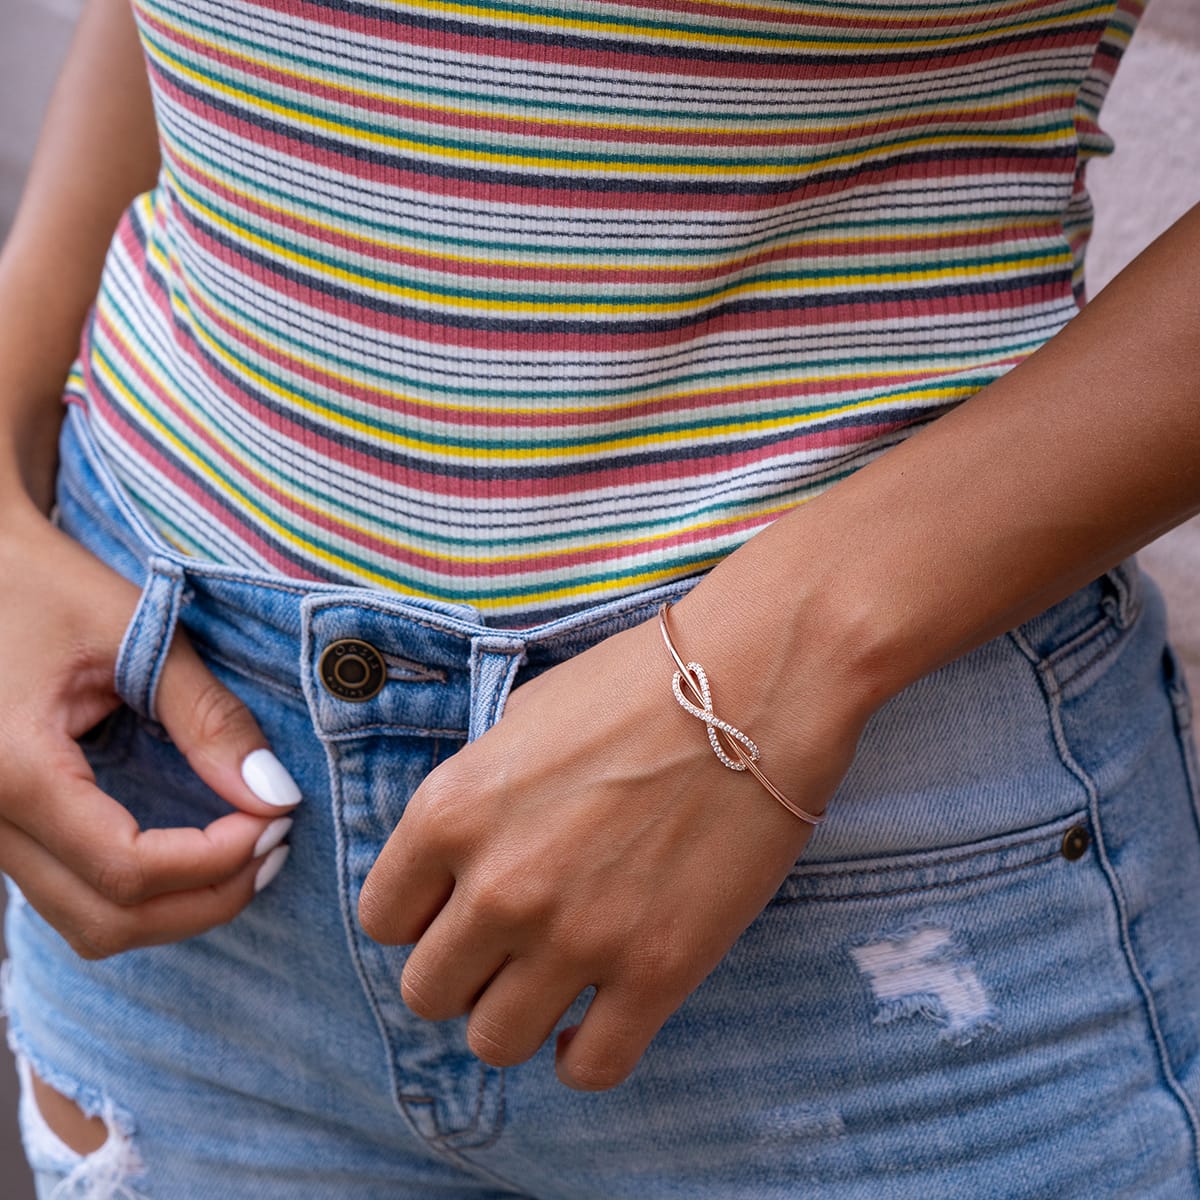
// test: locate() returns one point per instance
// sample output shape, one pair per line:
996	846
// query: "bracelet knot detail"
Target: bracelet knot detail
745	752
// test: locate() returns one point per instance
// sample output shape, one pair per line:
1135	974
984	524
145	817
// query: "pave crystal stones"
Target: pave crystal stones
694	676
352	670
698	682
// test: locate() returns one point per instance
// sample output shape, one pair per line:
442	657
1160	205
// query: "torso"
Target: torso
532	305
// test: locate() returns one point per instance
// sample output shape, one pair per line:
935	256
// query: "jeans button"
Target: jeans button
352	670
1075	843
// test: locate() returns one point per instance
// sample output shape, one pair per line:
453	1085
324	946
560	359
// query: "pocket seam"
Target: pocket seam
932	885
850	873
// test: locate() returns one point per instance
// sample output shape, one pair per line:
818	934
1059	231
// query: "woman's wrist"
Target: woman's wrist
787	654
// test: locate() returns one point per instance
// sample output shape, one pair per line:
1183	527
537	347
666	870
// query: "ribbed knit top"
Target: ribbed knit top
533	304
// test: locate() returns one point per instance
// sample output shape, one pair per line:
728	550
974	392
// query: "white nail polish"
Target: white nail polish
272	836
268	779
271	867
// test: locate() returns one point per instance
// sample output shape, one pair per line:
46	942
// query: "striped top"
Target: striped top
528	304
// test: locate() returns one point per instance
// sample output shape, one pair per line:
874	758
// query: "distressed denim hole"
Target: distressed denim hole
89	1154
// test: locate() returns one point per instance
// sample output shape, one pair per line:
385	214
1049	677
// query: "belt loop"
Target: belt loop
494	665
148	638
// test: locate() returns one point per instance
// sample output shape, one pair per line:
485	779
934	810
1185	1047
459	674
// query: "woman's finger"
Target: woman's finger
98	839
519	1009
619	1025
412	879
452	963
219	737
96	927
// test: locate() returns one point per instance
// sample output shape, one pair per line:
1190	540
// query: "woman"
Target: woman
439	376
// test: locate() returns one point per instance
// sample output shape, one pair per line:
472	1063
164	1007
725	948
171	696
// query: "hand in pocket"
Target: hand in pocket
77	854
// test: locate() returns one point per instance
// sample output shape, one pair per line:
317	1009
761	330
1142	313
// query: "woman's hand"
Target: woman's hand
77	854
592	838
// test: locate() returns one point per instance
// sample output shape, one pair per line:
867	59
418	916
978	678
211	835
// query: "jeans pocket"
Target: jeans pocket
107	743
934	870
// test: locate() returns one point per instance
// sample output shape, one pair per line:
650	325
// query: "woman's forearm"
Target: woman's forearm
1082	454
97	151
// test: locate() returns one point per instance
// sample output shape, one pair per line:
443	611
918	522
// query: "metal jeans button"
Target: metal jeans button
352	670
1075	843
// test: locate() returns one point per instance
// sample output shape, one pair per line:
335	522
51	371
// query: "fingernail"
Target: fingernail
272	836
268	779
271	867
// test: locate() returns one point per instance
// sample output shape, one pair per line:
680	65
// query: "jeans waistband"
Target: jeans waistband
256	621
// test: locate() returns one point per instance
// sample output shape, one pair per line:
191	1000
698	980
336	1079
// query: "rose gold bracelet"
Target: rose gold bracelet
693	676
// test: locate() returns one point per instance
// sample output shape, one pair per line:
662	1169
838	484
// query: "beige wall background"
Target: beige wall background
1151	180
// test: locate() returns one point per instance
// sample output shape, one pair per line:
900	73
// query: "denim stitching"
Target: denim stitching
388	727
143	700
935	859
123	675
166	634
1093	633
503	686
445	1138
1054	709
390	610
352	943
934	885
1181	707
1127	585
454	1155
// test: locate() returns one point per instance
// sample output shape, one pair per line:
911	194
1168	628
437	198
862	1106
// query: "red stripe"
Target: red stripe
824	65
406	556
804	253
991	297
399	113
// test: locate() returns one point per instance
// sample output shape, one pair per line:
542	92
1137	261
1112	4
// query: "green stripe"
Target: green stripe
391	88
426	144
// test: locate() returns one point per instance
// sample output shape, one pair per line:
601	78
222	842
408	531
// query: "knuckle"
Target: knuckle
373	915
496	903
492	1045
84	948
121	880
438	806
659	969
503	896
592	1074
217	714
96	942
420	996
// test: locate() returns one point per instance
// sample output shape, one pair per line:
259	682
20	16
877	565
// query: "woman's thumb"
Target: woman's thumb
217	735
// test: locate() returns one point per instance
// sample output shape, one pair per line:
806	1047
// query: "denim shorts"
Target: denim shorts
982	978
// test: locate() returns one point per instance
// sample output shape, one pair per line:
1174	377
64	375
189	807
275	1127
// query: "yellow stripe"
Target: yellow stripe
512	305
288	535
735	262
623	125
244	503
600	412
780	170
358	570
592	27
439	451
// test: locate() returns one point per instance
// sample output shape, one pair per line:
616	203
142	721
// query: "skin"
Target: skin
591	838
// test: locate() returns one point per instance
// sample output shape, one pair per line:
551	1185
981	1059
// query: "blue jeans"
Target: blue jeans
982	979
